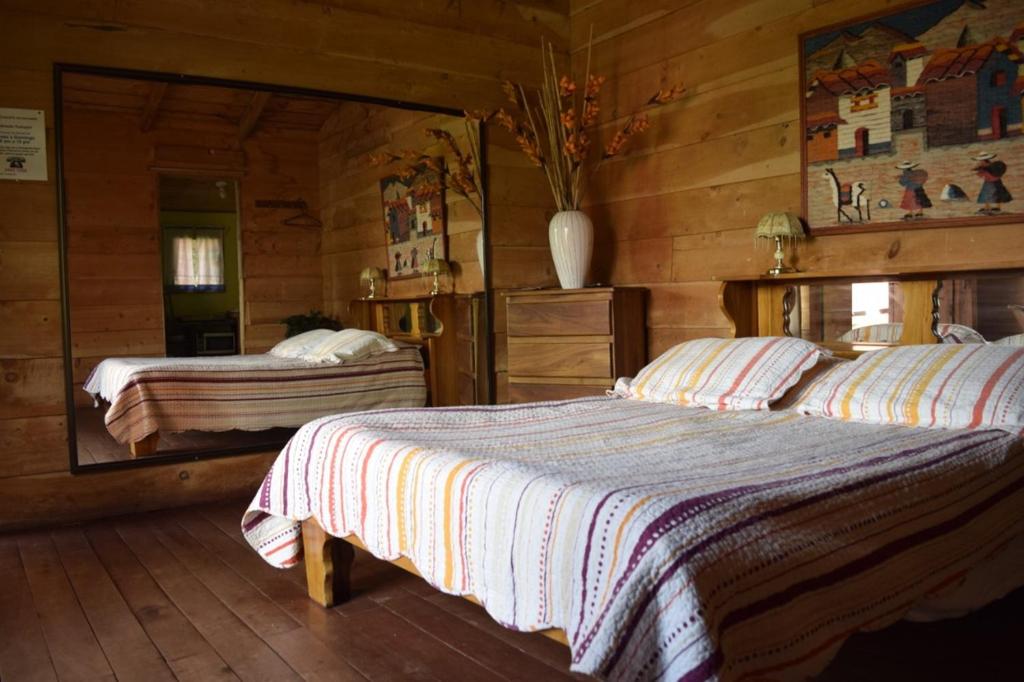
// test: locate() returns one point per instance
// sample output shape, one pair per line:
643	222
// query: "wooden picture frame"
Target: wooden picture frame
912	118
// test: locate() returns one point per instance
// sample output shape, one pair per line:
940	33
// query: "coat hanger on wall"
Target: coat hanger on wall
302	219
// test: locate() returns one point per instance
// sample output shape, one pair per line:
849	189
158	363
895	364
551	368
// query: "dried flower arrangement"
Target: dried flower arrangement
552	125
462	175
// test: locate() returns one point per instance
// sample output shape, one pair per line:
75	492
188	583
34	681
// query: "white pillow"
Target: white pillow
300	344
891	333
951	386
725	374
349	344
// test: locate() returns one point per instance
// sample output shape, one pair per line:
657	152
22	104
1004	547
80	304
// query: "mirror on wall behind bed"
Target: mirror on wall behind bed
969	308
199	214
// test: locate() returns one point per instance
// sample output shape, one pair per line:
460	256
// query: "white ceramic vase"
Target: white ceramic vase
571	235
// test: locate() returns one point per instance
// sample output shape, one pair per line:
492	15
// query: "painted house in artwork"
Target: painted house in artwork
906	63
970	93
860	122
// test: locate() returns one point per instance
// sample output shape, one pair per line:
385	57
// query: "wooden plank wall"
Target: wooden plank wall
367	47
679	209
354	236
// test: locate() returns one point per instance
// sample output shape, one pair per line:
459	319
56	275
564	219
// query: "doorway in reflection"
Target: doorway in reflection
199	240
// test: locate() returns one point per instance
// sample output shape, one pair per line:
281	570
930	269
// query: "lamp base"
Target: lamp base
780	270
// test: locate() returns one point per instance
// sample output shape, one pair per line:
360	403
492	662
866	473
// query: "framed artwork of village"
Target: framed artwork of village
414	219
912	118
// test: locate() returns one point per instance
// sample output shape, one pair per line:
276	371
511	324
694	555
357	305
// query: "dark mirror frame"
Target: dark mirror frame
59	69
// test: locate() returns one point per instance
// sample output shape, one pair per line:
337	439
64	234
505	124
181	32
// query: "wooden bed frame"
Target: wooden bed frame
329	567
754	307
146	446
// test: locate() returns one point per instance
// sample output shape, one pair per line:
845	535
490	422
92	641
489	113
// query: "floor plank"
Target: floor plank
371	634
249	656
485	649
25	656
308	656
541	648
127	647
182	646
75	652
367	655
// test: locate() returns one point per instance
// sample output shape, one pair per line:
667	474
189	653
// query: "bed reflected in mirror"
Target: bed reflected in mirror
869	312
198	216
982	308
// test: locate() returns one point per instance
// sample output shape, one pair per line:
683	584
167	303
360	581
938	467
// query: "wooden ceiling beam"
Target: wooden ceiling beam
252	115
152	106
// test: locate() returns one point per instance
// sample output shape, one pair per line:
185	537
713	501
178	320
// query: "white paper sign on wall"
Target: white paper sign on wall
22	144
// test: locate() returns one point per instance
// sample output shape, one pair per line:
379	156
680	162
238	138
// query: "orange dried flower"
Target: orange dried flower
478	115
667	95
577	146
590	111
569	119
511	94
594	84
566	87
635	125
505	120
382	159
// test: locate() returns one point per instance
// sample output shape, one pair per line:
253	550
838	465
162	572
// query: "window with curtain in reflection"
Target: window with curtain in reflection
198	262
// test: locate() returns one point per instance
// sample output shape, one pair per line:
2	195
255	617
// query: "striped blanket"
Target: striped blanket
248	392
668	542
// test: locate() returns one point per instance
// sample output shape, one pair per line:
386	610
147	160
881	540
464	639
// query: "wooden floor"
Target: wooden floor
179	595
96	445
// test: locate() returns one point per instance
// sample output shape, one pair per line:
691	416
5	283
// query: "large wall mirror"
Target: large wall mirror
198	215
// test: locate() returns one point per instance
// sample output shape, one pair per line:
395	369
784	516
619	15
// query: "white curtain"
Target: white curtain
198	262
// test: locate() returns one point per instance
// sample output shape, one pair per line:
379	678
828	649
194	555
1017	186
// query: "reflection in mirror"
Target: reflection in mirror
199	215
983	307
850	312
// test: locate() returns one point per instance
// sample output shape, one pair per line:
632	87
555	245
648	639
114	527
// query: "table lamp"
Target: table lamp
371	275
436	267
779	226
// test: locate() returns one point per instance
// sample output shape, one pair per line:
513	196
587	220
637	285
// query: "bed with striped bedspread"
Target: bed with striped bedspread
668	542
248	392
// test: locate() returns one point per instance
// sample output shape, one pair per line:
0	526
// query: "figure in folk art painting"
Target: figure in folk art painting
915	199
848	197
993	191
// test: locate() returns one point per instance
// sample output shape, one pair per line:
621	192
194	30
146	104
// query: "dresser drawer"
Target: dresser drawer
528	393
559	318
577	359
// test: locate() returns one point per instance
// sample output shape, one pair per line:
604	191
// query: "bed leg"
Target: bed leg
328	564
146	446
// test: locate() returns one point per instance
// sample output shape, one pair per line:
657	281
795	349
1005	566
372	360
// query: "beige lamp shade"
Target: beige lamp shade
784	225
369	274
436	266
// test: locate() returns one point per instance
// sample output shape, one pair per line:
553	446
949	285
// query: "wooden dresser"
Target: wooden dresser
570	343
